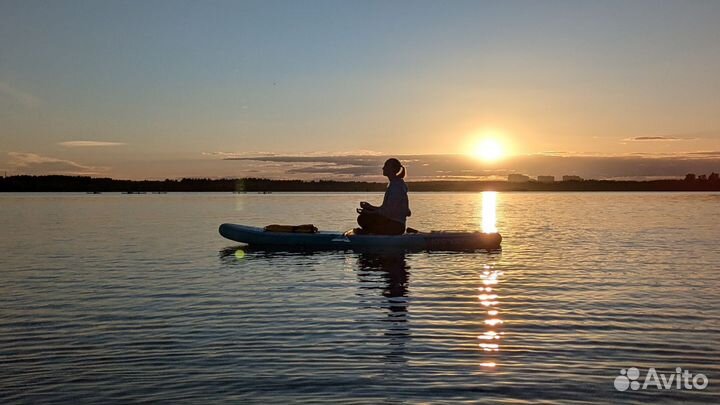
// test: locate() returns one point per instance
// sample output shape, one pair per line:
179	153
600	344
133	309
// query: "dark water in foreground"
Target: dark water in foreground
130	298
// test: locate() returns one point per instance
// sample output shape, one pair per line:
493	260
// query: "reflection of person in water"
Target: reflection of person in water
391	270
388	272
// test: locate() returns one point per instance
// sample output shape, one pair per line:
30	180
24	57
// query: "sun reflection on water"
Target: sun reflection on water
489	216
490	339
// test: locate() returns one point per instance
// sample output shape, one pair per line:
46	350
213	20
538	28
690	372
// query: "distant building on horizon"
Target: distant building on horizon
572	178
546	179
518	178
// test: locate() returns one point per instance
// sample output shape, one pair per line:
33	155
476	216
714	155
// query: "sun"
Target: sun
488	149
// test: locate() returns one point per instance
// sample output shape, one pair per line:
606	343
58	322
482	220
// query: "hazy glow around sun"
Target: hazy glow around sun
488	149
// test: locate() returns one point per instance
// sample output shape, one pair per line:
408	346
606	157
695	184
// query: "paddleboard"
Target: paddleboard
436	240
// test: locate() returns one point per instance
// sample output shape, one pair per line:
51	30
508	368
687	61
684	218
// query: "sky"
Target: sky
158	89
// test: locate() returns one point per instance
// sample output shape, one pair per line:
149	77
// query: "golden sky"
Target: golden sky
155	89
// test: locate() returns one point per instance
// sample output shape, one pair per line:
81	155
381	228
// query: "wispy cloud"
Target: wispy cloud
657	138
680	136
18	96
84	144
459	167
233	155
32	163
712	153
250	155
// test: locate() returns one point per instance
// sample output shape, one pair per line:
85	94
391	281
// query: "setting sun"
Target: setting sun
488	150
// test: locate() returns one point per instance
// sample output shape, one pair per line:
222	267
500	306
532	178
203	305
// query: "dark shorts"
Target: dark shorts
380	225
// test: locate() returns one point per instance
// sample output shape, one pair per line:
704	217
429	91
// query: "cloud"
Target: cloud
31	163
684	136
83	144
368	167
706	153
246	155
15	95
656	138
233	155
337	170
443	167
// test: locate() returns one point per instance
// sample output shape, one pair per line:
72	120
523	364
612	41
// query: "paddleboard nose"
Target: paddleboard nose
224	228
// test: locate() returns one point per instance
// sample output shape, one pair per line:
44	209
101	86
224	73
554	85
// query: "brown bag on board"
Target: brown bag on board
306	228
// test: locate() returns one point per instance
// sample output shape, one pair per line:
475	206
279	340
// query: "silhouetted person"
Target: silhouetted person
390	217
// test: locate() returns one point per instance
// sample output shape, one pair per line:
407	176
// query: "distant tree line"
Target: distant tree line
54	183
712	177
90	184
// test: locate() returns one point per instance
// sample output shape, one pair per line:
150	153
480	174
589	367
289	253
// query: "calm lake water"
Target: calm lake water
136	298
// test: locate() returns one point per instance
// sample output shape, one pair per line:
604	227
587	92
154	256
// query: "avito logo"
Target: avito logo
680	379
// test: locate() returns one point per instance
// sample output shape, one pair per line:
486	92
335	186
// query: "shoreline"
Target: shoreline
255	185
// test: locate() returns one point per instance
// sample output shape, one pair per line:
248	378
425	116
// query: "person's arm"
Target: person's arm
373	208
367	206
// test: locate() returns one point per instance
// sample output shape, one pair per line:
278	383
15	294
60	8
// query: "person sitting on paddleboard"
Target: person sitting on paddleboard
390	217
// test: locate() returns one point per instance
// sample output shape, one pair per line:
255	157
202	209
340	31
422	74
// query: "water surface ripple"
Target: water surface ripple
135	298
